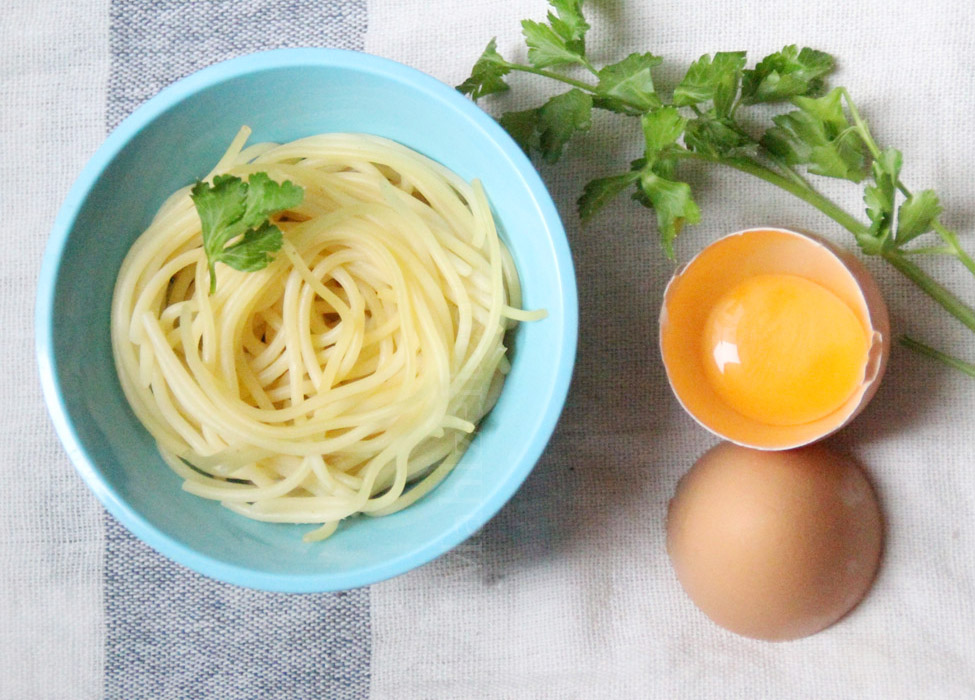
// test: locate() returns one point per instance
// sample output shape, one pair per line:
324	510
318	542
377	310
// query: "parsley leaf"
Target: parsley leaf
599	192
522	126
670	199
879	197
232	209
714	79
487	75
672	202
569	23
265	197
560	118
252	251
627	86
786	73
661	128
715	137
547	48
818	135
917	215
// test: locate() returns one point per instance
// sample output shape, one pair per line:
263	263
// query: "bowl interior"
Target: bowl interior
176	138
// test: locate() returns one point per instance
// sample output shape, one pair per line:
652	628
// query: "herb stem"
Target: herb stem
554	76
799	188
953	362
951	238
789	171
779	161
860	124
589	66
946	234
930	250
948	301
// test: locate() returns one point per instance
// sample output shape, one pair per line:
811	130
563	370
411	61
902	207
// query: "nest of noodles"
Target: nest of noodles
348	375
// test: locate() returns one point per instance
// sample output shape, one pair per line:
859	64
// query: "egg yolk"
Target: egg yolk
784	350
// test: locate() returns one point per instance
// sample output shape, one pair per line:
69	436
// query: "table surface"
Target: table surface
567	593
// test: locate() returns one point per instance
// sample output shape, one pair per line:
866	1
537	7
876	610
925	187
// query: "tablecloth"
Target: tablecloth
567	592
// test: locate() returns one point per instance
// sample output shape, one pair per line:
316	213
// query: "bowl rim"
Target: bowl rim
44	314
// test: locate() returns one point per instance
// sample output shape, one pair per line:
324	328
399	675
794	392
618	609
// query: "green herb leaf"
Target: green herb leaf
785	74
252	251
819	135
880	207
599	192
917	215
220	207
233	217
716	137
714	79
487	75
879	197
522	126
560	118
661	128
869	243
828	109
673	204
842	158
265	197
627	86
569	23
547	48
657	189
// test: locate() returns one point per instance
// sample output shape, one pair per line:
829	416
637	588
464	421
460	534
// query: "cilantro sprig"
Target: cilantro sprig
234	216
817	132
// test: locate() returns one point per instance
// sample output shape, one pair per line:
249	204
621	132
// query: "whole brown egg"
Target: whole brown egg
775	545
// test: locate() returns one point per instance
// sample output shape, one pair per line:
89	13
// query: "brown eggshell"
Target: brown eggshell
696	287
775	545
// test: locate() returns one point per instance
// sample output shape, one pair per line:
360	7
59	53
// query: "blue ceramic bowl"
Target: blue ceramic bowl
175	138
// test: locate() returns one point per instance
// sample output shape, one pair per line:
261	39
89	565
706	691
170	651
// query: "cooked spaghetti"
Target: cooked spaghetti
348	375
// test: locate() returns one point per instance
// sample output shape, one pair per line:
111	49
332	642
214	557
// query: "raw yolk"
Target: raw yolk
784	350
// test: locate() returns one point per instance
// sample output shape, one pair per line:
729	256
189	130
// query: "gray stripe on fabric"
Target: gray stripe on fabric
154	42
172	633
175	634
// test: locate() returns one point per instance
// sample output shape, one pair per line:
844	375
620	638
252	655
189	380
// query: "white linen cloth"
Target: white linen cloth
53	70
567	593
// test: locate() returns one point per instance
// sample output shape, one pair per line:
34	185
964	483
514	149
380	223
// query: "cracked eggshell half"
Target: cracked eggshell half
695	291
